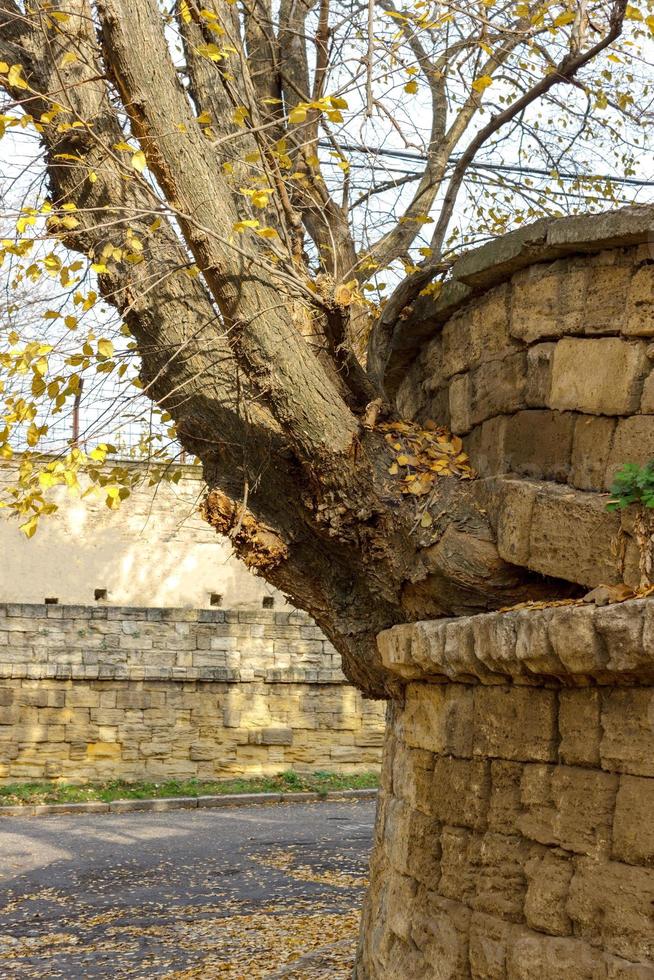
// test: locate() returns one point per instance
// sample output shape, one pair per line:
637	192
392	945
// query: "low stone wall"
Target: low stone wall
515	836
91	693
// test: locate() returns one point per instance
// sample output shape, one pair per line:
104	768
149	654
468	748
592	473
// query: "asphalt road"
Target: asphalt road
224	893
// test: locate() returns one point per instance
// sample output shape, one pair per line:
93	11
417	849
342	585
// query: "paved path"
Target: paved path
230	893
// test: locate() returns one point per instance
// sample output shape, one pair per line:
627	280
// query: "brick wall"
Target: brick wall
514	835
118	692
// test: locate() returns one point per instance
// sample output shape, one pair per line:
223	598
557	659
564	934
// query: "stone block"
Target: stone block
538	444
560	517
498	387
505	805
500	882
501	711
633	826
489	940
639	318
539	375
621	628
532	955
514	521
439	719
548	883
606	299
647	400
568	807
103	750
611	380
610	905
633	442
457	351
579	726
438	930
460	396
412	776
459	863
271	736
485	446
575	640
535	305
591	449
489	333
627	722
460	792
414	846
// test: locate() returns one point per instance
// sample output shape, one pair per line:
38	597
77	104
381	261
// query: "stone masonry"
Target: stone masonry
95	693
515	832
546	367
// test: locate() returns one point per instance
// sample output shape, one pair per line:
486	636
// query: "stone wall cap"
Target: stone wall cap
495	262
571	645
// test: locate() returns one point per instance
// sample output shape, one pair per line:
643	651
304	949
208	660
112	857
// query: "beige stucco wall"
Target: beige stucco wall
155	550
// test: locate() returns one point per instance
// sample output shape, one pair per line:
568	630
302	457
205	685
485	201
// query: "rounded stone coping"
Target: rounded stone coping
569	644
496	261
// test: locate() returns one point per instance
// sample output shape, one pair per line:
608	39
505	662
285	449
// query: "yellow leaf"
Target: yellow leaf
297	115
105	348
411	87
41	365
70	321
4	67
633	13
51	315
99	267
267	233
482	83
68	59
47	480
211	51
426	520
184	12
122	146
29	528
15	77
204	118
563	19
260	199
52	264
138	161
239	115
241	226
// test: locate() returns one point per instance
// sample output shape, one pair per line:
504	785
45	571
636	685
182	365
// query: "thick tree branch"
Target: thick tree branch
273	354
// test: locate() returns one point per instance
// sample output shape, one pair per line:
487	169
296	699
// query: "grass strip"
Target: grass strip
321	782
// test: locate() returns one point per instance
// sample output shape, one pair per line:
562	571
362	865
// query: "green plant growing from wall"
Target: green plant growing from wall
633	486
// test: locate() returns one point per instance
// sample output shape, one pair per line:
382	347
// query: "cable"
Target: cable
406	155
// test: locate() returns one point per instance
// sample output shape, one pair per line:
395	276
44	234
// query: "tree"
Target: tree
202	157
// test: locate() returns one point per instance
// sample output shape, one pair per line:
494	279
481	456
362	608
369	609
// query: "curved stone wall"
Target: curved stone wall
515	831
539	352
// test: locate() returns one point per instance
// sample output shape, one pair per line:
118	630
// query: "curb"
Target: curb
164	804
